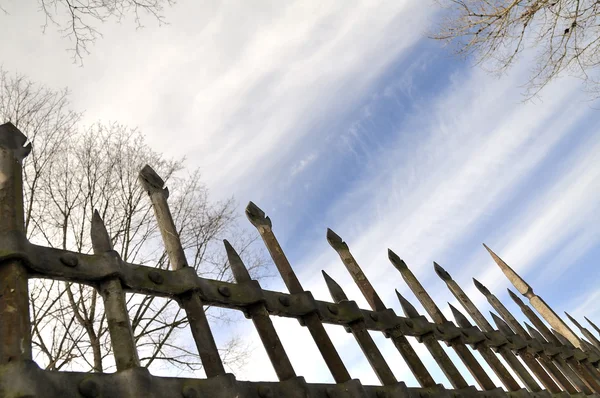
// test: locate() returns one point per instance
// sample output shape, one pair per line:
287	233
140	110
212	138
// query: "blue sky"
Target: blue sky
344	115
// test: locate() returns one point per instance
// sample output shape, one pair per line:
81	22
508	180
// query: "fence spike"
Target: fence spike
515	327
584	331
441	272
593	324
485	326
400	341
263	224
434	347
335	289
362	337
191	303
463	352
502	326
536	301
115	305
535	333
460	318
262	320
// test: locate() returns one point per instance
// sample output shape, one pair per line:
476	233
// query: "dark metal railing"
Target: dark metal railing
547	361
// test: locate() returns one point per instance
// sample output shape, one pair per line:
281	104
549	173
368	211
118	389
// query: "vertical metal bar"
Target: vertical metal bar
119	326
15	327
400	342
536	301
588	375
263	224
520	330
569	370
529	359
434	347
505	377
438	317
584	331
260	317
484	325
363	338
191	303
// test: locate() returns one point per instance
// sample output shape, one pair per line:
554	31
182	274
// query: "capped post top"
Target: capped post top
151	181
257	217
13	139
335	241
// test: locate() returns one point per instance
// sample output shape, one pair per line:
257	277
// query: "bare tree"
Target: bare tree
70	173
78	20
564	34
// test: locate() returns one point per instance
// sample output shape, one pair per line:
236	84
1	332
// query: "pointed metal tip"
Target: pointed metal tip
592	324
239	270
459	317
514	278
335	240
501	325
101	241
409	310
484	290
334	288
396	260
256	216
441	272
228	246
515	298
573	320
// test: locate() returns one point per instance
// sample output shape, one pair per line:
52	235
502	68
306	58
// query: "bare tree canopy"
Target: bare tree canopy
73	171
564	34
79	20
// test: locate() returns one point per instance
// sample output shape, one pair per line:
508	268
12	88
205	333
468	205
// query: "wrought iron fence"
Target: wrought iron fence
553	361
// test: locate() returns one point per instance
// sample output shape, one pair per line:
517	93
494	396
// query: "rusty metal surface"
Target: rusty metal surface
565	364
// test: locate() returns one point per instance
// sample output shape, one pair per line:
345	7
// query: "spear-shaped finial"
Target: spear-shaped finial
534	332
441	272
593	325
563	340
460	319
409	310
239	270
484	290
335	289
574	321
512	276
100	239
396	260
501	325
257	217
335	241
516	298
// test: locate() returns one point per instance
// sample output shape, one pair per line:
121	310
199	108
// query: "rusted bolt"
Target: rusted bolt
89	388
224	291
333	309
409	323
264	392
374	316
70	260
156	277
189	392
284	300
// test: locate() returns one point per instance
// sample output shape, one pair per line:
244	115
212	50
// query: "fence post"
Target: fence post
15	328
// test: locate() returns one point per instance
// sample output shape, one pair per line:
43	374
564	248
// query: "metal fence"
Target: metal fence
547	361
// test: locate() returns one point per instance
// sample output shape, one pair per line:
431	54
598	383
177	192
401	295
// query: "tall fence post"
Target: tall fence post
15	328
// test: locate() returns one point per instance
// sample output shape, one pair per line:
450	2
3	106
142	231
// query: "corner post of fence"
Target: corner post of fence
15	329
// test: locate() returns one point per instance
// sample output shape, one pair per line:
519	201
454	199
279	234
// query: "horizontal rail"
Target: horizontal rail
50	263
